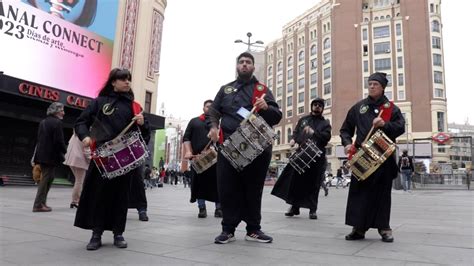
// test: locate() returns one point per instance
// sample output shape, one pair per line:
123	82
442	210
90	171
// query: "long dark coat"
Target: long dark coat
204	185
50	145
104	202
369	201
302	190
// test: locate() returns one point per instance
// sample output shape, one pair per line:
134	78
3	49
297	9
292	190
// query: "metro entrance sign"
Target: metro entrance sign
441	138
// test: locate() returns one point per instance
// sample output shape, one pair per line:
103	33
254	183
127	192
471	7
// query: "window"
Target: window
439	93
389	78
290	74
289	113
327	73
328	151
366	66
301	69
328	102
327	88
300	110
279	66
381	47
288	135
436	42
313	49
314	64
400	62
401	95
440	119
435	26
313	93
314	78
401	80
399	45
289	101
382	64
148	100
431	8
365	49
364	34
438	77
279	91
270	71
398	29
301	56
437	60
301	83
366	82
381	32
279	103
327	58
289	87
327	43
290	61
278	137
389	95
301	97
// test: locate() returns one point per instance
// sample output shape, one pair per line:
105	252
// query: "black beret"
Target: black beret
380	77
318	100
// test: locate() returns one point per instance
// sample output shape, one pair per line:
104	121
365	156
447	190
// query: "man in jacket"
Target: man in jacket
50	150
405	165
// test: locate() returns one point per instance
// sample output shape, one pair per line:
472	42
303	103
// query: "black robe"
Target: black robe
369	201
104	203
204	185
302	190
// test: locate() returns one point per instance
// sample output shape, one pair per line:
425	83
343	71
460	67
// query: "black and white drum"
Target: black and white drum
306	153
248	142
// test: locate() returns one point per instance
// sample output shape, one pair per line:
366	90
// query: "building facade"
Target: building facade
462	146
56	48
331	49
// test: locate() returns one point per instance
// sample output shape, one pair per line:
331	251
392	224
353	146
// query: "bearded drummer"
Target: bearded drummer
203	185
241	192
302	190
369	200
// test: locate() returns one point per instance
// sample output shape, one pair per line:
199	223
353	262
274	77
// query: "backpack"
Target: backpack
405	162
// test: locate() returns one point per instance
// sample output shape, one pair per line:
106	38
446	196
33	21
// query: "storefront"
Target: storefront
23	105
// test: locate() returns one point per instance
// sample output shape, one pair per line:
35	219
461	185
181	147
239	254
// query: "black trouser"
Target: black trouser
240	193
47	173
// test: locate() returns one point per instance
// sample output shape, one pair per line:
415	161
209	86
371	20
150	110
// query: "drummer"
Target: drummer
104	202
241	192
203	185
302	190
369	201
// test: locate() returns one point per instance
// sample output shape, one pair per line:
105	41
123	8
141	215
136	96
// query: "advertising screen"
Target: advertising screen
64	44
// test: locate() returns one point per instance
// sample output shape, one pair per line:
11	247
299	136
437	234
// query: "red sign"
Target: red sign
49	94
441	138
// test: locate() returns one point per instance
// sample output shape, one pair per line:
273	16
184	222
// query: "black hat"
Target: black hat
380	77
317	100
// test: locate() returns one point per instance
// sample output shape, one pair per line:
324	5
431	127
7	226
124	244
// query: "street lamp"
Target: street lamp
249	43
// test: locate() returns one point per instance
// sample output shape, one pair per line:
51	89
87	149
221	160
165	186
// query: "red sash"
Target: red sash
387	111
258	90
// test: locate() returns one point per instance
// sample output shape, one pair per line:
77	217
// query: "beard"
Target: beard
245	75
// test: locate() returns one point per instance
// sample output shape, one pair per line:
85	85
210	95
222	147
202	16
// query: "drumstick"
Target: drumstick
251	112
371	129
128	126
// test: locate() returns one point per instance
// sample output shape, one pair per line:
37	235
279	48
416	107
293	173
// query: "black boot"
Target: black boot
202	213
218	213
119	241
312	215
293	211
95	242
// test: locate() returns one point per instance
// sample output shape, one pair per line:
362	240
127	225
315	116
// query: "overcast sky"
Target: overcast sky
198	50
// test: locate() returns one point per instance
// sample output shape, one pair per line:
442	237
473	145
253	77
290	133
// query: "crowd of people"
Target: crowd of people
103	193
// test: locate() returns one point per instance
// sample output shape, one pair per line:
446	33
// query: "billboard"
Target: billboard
66	45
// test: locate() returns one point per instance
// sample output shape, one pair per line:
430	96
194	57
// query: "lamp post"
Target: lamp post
249	43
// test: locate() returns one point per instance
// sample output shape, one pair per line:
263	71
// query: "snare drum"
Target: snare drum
248	142
204	160
371	155
121	155
306	153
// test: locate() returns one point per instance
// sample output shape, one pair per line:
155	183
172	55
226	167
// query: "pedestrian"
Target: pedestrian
241	192
203	185
339	177
302	190
104	202
369	200
405	166
49	154
78	160
137	197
